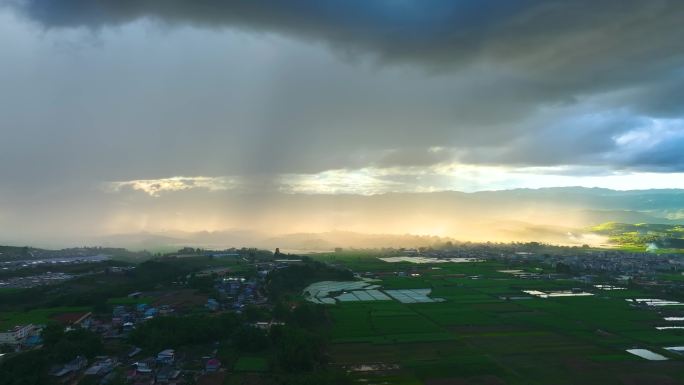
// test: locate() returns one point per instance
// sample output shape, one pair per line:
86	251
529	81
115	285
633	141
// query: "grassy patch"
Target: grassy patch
36	316
130	300
251	364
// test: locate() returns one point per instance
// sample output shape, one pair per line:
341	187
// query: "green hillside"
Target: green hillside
642	235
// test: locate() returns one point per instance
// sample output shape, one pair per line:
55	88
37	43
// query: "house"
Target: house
131	375
165	310
103	366
166	356
109	378
77	363
267	325
119	311
212	365
142	367
212	304
134	352
136	377
144	380
167	373
72	366
224	255
151	312
75	320
33	340
17	335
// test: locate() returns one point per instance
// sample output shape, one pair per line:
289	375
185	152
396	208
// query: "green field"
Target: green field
130	300
477	336
37	316
10	289
251	364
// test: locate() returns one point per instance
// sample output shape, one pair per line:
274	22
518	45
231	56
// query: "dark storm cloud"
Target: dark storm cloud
374	24
477	78
607	41
532	52
413	157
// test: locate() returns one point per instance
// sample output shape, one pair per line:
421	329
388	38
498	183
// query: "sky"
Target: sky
113	106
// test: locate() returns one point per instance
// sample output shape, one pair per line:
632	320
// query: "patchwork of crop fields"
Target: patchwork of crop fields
488	331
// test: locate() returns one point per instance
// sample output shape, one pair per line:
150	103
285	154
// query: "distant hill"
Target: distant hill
174	240
297	241
626	216
332	239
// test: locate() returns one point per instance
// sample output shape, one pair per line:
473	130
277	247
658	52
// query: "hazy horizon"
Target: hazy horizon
552	215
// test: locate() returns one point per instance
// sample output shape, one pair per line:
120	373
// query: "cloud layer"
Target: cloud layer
497	79
335	97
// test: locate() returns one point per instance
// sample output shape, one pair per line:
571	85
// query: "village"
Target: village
224	289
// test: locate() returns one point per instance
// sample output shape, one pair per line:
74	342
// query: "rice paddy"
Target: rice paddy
654	302
609	287
363	295
423	260
551	294
320	292
475	331
352	291
413	296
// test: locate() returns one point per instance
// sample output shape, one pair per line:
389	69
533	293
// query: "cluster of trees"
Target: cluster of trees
301	348
304	315
297	349
294	278
204	285
297	345
164	332
562	268
64	346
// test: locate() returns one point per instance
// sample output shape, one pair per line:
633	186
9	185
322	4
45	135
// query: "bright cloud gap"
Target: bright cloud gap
444	177
154	187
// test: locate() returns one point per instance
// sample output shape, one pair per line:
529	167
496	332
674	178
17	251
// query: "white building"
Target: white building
17	334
